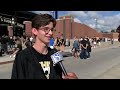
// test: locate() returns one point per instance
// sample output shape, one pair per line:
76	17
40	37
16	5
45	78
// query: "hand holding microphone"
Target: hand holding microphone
70	76
57	58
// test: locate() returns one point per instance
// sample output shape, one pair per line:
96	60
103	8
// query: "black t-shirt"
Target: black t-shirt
84	43
44	61
29	64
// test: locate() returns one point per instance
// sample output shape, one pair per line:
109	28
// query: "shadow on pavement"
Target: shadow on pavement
66	54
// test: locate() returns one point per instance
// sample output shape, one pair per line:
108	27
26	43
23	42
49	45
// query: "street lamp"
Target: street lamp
95	23
13	24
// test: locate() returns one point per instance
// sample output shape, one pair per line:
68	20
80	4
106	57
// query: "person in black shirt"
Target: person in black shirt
34	62
18	47
88	48
83	45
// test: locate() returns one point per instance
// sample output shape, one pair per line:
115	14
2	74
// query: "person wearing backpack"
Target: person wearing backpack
76	47
83	46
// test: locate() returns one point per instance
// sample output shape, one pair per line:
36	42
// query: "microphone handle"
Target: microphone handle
63	69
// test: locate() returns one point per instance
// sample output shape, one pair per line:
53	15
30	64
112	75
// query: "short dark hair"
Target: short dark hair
42	20
118	29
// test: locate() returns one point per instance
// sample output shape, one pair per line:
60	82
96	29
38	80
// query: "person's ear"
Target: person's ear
34	31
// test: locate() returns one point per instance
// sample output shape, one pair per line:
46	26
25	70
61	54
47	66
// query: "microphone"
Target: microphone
57	58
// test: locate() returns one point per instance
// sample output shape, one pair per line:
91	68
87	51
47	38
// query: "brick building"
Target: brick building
110	36
70	29
65	25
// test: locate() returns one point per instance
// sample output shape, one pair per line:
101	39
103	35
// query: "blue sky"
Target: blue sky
102	20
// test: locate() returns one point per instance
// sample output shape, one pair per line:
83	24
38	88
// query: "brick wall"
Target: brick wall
78	29
59	28
10	31
28	28
115	35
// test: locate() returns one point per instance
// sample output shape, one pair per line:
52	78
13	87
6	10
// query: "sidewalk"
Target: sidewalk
106	45
6	59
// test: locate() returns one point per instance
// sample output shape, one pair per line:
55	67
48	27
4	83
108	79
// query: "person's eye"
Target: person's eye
52	29
45	29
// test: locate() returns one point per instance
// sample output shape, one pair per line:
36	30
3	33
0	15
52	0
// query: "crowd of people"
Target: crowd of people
12	45
32	54
82	47
59	43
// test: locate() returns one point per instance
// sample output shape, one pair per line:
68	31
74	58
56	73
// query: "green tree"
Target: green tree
113	30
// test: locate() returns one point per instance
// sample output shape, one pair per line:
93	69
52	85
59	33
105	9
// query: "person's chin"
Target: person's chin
47	41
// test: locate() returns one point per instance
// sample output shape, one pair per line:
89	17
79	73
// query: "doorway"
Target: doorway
18	31
3	30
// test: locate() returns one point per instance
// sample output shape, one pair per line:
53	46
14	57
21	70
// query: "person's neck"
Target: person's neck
41	48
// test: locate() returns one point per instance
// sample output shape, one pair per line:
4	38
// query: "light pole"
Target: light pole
56	14
13	24
95	23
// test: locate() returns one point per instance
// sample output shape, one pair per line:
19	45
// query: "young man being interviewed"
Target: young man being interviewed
35	62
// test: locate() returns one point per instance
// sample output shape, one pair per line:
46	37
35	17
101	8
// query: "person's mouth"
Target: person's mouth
48	37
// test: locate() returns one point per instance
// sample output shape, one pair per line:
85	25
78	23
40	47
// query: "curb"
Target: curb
6	62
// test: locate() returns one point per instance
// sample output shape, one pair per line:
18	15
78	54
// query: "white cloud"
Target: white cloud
77	13
101	22
42	12
91	25
77	20
93	14
106	23
111	22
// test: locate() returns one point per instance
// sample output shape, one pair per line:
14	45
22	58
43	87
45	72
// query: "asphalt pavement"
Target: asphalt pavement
112	73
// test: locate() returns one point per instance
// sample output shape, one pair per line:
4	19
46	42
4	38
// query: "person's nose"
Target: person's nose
50	32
